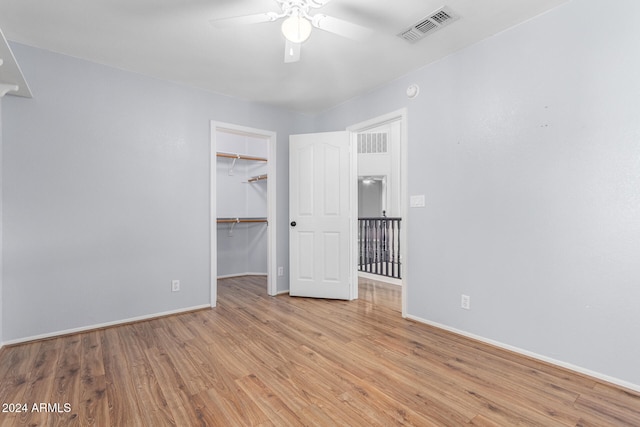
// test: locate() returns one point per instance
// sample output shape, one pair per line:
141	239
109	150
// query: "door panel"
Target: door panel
305	191
320	203
332	255
305	255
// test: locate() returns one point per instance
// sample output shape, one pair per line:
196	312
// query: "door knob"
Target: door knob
293	223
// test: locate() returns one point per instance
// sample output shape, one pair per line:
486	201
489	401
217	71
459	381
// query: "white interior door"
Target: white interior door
321	200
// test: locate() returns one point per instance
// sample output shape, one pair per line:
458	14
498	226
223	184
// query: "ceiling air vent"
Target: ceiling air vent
433	22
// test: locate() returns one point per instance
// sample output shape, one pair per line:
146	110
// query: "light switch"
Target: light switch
417	201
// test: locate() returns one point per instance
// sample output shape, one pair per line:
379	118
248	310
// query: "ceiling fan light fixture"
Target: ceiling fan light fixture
296	29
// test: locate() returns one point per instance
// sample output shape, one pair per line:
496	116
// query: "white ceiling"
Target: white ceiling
173	40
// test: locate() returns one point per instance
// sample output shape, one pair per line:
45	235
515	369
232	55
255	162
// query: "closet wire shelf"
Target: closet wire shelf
239	220
235	157
240	157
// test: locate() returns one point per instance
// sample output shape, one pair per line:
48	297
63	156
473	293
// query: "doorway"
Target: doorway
372	195
246	158
382	176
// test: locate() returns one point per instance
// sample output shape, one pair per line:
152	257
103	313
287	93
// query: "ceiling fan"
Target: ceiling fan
298	24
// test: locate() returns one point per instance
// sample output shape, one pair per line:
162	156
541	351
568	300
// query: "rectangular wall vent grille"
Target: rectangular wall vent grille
441	17
373	143
426	26
433	22
410	36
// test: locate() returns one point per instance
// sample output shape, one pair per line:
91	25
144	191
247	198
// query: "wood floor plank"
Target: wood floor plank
33	386
608	411
12	391
226	409
149	395
444	402
316	416
17	360
524	364
124	409
256	360
93	404
315	389
270	403
493	384
482	421
178	399
41	382
15	376
189	370
372	375
66	388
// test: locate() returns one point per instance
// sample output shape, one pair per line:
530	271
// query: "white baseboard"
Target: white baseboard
229	276
379	278
569	366
286	291
104	325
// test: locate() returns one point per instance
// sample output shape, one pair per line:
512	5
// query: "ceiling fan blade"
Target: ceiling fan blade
291	51
340	27
244	20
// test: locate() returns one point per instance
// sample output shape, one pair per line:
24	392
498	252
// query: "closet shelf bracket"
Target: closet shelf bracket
233	164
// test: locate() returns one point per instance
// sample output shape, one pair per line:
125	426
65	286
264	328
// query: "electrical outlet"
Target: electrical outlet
465	302
175	285
280	271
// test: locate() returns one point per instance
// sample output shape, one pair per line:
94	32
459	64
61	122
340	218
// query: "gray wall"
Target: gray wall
526	146
1	223
106	193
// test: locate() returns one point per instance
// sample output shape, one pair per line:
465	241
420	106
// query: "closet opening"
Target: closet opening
243	214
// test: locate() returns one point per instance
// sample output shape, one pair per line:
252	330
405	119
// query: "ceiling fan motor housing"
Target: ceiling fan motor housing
300	7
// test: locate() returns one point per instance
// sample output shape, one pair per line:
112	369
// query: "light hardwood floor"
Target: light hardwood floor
260	361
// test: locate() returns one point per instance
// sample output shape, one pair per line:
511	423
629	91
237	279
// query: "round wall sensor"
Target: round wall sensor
413	91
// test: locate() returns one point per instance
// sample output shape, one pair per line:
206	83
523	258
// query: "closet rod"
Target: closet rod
239	220
240	156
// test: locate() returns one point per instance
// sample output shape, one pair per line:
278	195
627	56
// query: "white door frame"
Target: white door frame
398	115
270	136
